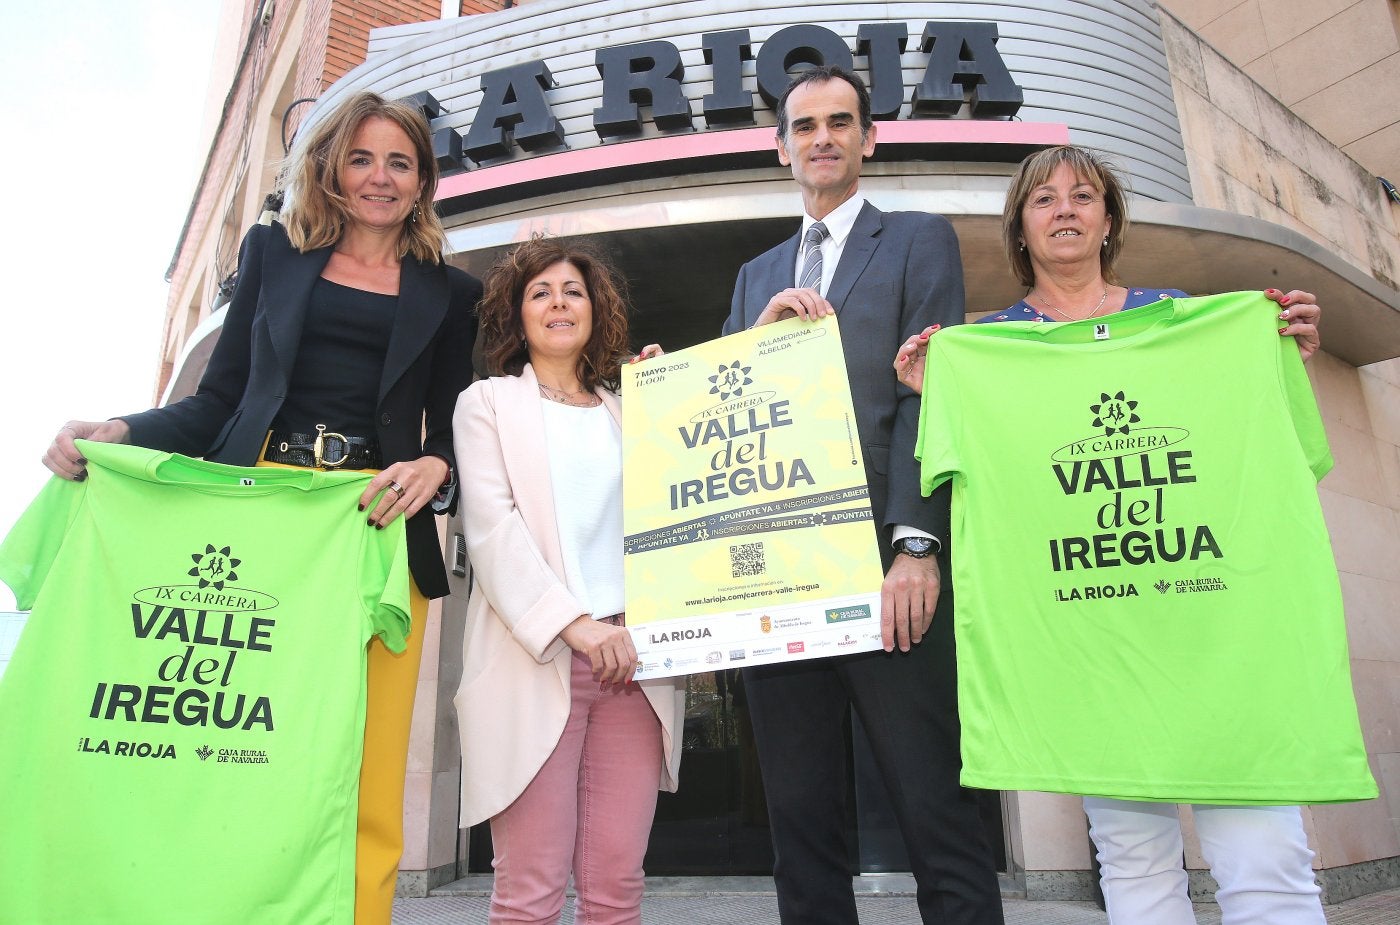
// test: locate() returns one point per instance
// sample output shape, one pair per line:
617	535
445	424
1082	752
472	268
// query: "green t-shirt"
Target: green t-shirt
183	716
1147	606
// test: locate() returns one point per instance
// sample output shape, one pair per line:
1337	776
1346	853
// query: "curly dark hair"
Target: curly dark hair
503	335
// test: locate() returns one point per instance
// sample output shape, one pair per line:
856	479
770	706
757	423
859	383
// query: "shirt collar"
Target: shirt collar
839	222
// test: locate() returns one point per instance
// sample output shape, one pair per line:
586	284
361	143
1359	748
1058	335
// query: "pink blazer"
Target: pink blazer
514	697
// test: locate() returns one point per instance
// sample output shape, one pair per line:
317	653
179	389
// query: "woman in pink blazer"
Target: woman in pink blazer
561	750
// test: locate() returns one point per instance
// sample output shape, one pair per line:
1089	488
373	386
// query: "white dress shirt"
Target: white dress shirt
838	228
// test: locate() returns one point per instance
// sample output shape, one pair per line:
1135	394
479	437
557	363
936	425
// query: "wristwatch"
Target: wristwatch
917	547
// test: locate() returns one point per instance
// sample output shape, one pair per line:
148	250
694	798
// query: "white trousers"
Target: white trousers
1258	855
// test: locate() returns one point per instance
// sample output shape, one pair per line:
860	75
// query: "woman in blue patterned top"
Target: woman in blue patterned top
1062	227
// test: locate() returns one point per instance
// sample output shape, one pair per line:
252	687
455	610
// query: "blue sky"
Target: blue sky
102	108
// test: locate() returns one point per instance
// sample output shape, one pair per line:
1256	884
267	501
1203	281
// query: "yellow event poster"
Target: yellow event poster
749	537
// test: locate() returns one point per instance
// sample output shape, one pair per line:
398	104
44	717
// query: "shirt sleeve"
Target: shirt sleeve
33	544
384	578
939	445
1302	407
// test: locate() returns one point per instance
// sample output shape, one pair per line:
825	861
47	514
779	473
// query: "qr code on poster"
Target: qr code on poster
746	560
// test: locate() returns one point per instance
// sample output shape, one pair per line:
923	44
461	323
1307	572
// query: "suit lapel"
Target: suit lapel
860	247
423	298
520	422
287	278
780	274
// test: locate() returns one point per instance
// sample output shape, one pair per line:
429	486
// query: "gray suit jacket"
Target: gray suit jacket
899	273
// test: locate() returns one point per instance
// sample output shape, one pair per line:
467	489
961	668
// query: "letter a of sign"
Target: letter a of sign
965	53
513	103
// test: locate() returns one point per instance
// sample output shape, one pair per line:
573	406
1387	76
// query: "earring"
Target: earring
1105	240
1022	247
417	211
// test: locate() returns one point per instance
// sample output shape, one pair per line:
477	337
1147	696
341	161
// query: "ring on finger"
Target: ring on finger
396	488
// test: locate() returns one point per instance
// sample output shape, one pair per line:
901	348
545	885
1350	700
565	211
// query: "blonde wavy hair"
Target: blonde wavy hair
317	211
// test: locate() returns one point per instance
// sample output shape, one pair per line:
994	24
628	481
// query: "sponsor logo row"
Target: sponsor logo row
699	660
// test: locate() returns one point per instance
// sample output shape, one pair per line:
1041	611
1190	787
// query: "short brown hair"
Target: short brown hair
503	334
317	211
1035	171
820	74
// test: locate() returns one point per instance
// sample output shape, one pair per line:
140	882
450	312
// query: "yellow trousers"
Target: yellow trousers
391	681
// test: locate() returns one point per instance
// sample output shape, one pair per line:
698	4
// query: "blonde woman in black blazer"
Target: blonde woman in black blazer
361	250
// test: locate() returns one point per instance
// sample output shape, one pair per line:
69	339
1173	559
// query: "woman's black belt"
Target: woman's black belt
323	450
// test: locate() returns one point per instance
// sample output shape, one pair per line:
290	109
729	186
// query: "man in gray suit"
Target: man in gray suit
886	275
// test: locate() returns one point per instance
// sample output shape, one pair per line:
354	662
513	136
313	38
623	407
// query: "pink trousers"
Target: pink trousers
588	810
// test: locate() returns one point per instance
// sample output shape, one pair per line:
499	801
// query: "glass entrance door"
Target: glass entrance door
717	822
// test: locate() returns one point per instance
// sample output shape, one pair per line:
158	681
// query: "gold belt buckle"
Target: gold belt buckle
320	444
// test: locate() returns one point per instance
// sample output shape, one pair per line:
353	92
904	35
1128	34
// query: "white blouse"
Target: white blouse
585	472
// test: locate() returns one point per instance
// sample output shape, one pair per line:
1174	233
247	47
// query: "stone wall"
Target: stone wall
1250	154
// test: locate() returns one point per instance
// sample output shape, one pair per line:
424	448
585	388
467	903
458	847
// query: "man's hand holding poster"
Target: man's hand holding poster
749	537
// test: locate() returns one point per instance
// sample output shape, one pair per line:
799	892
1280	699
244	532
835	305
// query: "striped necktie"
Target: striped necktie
812	257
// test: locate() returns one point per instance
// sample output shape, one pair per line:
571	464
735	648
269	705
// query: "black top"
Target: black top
335	379
426	366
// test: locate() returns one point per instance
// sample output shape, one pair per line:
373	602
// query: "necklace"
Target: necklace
1103	298
588	399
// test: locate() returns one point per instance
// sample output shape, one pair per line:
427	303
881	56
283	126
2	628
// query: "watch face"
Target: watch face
916	545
